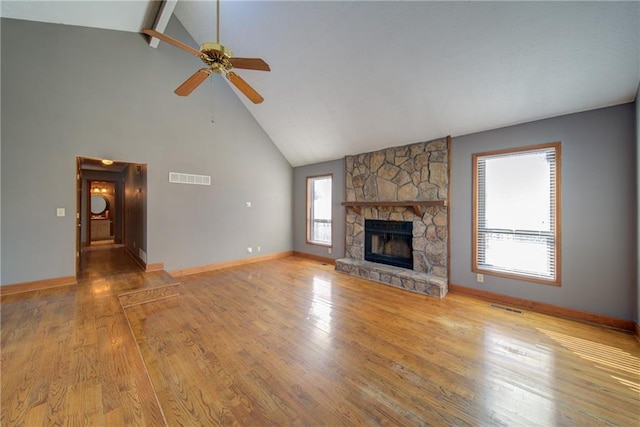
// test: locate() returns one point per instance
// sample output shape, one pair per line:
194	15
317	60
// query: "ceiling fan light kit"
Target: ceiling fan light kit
218	59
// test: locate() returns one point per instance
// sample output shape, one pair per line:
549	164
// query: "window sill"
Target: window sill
520	277
324	245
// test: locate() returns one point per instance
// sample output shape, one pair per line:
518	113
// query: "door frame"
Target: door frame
120	182
116	211
78	212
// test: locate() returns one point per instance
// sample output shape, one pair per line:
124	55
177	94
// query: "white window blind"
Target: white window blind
516	213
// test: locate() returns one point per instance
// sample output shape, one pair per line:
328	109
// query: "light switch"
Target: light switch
248	204
60	212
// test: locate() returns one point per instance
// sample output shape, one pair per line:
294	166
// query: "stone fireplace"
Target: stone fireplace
399	185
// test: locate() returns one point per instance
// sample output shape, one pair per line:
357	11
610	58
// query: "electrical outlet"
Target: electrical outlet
249	249
329	250
60	212
480	278
259	248
248	204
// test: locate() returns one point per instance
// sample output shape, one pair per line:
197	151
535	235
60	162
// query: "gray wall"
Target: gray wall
598	210
300	174
71	91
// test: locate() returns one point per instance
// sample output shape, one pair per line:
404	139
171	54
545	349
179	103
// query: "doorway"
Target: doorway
104	216
111	211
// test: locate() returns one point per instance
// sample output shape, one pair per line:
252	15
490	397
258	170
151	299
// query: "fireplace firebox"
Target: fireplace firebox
389	242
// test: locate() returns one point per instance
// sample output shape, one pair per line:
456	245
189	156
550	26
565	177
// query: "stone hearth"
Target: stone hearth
412	173
402	278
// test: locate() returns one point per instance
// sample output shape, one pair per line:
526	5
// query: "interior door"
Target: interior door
87	227
78	211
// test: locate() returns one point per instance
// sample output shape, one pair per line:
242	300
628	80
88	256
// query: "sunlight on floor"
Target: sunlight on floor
321	306
100	287
512	394
605	356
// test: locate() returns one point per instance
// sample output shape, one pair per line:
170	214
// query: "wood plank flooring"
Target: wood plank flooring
292	342
68	356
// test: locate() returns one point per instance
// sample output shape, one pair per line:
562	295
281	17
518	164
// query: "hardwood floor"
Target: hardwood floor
68	357
291	341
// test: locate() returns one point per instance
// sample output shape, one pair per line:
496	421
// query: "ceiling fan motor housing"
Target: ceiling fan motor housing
216	56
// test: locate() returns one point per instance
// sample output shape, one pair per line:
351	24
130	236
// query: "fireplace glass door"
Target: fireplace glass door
389	242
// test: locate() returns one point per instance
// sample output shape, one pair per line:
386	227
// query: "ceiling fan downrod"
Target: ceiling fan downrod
218	21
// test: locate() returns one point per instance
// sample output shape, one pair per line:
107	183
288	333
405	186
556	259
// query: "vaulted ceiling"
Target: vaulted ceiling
349	77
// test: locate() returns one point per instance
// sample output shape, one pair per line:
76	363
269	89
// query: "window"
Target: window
516	197
319	210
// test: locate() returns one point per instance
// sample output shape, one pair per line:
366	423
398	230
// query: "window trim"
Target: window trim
308	210
556	281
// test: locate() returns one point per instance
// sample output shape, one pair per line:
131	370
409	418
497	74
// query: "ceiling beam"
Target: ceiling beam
162	19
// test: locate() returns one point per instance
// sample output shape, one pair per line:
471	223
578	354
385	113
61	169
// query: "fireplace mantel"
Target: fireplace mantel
416	205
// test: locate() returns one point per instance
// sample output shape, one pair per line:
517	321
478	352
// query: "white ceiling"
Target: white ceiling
110	15
350	77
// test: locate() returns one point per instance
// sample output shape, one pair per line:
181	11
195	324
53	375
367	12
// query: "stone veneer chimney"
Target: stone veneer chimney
412	173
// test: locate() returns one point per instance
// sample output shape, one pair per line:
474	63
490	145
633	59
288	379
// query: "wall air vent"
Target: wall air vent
189	178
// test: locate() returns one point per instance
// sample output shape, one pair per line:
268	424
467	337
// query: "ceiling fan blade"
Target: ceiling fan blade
244	87
250	64
193	82
172	41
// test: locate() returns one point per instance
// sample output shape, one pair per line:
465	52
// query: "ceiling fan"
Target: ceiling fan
219	59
